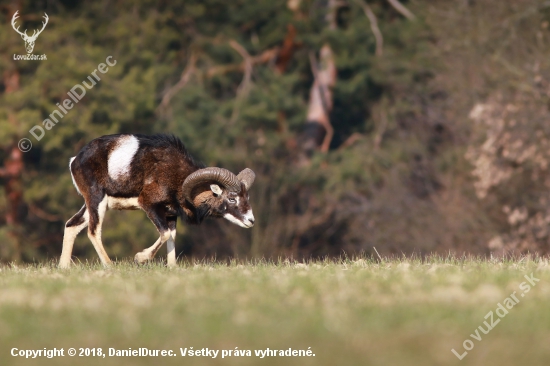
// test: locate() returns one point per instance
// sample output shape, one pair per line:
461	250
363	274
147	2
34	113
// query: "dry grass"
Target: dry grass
350	312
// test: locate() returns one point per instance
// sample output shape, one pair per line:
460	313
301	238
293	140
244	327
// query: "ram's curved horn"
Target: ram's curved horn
218	175
247	177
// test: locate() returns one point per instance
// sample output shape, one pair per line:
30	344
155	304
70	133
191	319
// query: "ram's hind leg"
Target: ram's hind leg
97	208
75	225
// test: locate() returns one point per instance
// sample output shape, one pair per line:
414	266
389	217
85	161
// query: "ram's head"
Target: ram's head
218	192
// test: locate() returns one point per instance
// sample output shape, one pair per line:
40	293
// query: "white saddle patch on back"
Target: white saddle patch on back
121	157
72	176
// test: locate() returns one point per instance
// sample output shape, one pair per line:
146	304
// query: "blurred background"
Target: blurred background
409	126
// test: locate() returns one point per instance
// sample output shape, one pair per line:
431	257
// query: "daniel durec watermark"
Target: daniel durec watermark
493	318
76	93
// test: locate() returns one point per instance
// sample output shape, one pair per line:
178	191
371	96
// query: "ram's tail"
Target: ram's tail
72	176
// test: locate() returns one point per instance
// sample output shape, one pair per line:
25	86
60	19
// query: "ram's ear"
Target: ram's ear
216	189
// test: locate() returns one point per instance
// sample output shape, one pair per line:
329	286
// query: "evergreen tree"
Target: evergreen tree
353	114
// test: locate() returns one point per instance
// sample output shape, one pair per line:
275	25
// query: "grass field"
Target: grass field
350	312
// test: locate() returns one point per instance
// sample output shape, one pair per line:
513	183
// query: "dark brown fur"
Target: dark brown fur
157	172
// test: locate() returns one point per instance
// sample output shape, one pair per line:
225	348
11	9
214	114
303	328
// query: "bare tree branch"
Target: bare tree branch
354	137
264	57
244	87
373	27
402	9
245	66
38	212
245	84
185	76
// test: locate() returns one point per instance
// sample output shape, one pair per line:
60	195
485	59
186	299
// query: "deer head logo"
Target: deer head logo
29	40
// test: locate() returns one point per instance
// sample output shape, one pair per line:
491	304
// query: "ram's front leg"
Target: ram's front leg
148	254
164	224
171	245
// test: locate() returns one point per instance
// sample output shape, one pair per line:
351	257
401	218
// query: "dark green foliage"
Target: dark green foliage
395	178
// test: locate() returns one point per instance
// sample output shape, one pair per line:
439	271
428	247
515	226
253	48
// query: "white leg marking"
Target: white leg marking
121	157
171	247
148	254
69	237
96	238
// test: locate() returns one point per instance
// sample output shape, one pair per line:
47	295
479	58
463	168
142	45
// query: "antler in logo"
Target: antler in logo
29	41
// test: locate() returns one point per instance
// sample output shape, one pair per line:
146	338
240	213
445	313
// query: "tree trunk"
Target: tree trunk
318	130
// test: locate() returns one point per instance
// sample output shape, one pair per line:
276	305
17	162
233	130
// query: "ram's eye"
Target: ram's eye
232	200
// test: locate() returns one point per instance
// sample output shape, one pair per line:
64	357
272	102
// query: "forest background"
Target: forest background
410	127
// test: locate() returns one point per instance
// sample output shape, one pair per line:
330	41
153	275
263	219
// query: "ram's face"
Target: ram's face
234	206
